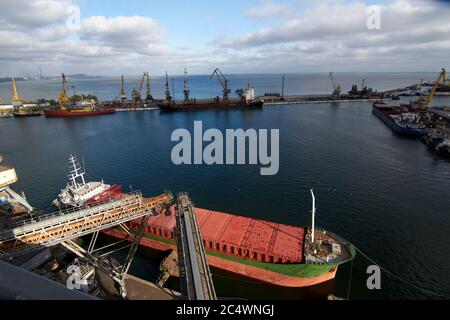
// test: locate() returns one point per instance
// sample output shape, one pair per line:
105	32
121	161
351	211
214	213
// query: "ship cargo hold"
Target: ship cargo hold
255	254
399	120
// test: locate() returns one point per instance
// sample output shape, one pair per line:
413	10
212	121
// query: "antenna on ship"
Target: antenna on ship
186	87
313	212
75	172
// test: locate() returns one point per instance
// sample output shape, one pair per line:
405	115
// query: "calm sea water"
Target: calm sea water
386	194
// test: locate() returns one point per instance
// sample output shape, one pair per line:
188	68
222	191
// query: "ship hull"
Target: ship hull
23	115
67	113
379	110
164	106
256	251
253	282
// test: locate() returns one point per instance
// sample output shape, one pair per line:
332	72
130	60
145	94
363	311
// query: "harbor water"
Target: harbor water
386	194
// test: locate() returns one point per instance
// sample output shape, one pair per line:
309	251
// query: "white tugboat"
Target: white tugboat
79	193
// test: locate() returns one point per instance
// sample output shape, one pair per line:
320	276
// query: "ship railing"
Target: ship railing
64	212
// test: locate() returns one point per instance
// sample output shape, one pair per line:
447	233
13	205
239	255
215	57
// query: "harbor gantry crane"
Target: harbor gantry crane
16	102
223	81
336	88
441	79
168	96
149	96
186	87
63	98
122	94
136	94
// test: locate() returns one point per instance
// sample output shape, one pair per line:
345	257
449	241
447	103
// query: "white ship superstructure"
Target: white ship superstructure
78	191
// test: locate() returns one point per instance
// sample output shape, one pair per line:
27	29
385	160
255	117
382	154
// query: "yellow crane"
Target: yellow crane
16	99
336	87
426	101
63	98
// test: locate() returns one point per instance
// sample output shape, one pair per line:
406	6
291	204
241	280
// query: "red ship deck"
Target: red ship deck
237	235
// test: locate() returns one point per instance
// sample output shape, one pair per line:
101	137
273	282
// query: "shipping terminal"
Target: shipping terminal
289	259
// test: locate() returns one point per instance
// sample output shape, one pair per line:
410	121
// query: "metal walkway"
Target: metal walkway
63	226
196	279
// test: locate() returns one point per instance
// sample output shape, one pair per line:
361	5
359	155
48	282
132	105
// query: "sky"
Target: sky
238	36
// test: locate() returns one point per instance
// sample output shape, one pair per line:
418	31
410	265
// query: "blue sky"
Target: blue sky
254	36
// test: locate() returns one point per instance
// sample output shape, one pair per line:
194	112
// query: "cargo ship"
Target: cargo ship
294	262
26	113
246	98
78	192
66	109
400	119
255	258
77	112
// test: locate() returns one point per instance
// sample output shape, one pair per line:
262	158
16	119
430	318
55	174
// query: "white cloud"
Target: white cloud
412	32
268	9
313	36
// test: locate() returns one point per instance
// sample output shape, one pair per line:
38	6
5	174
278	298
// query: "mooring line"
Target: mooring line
401	279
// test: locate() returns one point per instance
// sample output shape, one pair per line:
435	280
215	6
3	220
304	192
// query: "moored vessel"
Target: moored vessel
78	192
66	109
286	261
246	100
401	120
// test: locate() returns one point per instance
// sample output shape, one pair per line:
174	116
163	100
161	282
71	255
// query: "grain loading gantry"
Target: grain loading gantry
195	275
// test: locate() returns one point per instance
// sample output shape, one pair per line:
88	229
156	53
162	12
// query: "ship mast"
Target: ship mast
186	87
168	96
75	172
313	212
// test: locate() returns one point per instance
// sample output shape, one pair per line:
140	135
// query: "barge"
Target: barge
399	119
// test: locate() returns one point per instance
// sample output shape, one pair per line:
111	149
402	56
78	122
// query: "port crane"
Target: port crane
16	102
63	98
122	94
167	92
136	94
186	87
336	87
223	81
441	79
149	96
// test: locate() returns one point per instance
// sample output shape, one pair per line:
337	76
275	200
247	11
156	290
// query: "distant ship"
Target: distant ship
86	108
246	98
400	119
209	104
26	113
77	112
80	193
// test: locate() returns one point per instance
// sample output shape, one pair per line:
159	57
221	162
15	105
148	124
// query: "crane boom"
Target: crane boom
63	98
223	82
441	78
